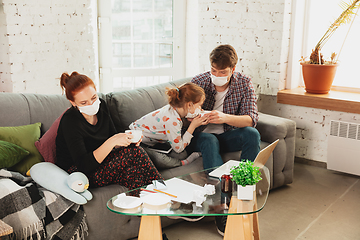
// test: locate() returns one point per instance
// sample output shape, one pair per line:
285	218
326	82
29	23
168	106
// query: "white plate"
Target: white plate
127	202
156	199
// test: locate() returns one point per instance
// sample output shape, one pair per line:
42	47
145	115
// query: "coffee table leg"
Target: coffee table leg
242	227
150	228
256	224
256	227
239	227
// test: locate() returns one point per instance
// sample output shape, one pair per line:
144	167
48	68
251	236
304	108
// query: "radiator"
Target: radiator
343	152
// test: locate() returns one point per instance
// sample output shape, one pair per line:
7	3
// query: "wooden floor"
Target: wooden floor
319	204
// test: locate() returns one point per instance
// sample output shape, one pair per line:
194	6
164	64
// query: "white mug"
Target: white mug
136	135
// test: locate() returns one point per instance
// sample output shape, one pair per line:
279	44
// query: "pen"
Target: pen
146	190
165	193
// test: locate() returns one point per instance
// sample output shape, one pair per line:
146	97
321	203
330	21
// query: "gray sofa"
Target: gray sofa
21	109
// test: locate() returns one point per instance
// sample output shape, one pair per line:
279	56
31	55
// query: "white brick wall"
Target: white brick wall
256	29
42	39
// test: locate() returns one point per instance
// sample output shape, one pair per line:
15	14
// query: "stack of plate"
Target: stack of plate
128	203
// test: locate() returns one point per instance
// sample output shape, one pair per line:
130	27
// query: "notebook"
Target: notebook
259	161
161	147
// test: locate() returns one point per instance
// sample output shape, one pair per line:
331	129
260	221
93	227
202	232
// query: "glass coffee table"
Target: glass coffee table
242	221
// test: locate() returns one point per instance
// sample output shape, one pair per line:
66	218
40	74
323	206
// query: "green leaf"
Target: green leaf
245	173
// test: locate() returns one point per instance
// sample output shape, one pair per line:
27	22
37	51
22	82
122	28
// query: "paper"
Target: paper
180	188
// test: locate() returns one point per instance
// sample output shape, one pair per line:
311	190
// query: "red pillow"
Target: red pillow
46	145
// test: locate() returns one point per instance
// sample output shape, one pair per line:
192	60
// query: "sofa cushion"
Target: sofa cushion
46	145
46	108
25	137
128	106
10	154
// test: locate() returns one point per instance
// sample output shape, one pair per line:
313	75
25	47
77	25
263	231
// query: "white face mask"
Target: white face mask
219	81
193	115
90	109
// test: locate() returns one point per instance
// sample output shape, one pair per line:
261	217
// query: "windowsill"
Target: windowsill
334	100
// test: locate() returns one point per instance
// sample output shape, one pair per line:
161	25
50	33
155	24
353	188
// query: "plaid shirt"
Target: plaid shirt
239	100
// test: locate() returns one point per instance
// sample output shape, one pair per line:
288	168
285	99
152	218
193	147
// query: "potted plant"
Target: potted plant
318	73
245	175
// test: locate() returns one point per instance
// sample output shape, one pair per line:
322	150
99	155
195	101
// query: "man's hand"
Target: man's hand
240	121
217	117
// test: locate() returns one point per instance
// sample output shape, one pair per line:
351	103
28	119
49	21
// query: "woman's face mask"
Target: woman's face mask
90	109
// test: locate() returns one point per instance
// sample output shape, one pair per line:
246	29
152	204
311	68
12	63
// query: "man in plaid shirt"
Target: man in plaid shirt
231	98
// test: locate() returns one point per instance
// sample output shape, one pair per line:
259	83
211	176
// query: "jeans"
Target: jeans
210	145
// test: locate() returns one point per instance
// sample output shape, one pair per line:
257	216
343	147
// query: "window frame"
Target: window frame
107	72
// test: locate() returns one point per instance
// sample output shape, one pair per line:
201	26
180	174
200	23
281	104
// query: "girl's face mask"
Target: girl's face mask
193	115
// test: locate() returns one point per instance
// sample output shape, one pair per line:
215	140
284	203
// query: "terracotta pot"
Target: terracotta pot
318	78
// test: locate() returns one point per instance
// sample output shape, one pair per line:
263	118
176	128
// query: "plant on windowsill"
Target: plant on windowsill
318	73
245	175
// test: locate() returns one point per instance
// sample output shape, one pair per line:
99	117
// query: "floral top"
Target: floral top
163	125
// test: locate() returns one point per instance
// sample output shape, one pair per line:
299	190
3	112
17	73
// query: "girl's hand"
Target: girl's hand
198	121
122	139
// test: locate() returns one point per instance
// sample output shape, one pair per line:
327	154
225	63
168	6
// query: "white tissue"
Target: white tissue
209	189
159	184
199	197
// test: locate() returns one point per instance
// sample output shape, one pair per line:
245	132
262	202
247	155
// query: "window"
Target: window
318	23
147	42
309	23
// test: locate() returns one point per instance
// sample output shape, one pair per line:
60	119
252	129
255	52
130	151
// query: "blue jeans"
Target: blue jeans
210	145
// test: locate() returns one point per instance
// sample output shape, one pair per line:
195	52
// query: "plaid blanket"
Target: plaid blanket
36	213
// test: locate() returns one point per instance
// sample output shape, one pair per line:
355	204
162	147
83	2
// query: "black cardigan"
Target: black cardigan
77	139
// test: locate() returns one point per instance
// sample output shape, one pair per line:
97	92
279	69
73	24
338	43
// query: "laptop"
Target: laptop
259	161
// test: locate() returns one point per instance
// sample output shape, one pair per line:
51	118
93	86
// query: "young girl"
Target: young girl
165	124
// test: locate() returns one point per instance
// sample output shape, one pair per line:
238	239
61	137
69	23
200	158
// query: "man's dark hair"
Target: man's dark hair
223	56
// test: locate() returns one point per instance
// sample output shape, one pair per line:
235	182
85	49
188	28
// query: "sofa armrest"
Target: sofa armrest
272	127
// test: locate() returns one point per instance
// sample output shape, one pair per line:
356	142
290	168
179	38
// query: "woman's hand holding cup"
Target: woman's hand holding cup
122	139
135	136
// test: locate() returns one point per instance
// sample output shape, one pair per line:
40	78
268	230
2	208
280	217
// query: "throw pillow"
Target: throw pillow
10	154
55	179
46	145
25	137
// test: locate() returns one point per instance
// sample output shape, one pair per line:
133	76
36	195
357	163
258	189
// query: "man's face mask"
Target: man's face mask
219	81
